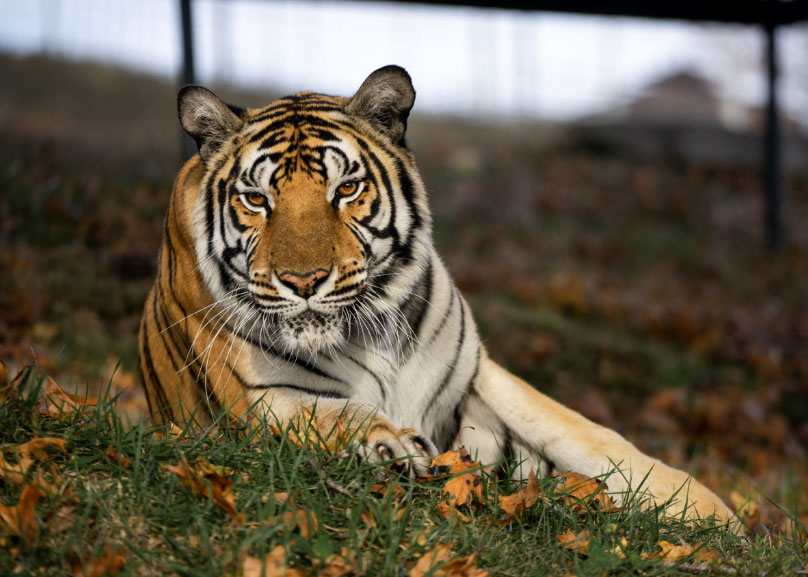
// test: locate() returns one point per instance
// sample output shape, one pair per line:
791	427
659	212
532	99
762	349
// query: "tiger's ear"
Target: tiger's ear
385	100
207	119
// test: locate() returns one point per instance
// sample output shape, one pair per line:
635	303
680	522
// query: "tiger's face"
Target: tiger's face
311	219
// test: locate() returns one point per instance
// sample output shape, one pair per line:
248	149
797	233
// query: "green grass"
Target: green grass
163	528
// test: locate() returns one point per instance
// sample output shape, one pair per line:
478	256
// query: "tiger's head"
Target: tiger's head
311	221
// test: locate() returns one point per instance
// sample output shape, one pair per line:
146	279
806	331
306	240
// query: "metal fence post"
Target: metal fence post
772	177
188	73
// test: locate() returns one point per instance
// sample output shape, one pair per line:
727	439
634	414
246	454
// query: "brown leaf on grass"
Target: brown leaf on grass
452	567
464	489
56	402
337	566
11	389
36	447
467	485
747	507
174	432
110	564
3	378
575	542
620	549
299	519
580	492
303	520
14	472
280	498
20	520
705	556
49	488
114	455
272	565
457	460
368	518
670	552
450	512
382	488
218	487
516	504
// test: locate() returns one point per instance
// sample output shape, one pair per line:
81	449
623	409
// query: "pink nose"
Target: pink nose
304	284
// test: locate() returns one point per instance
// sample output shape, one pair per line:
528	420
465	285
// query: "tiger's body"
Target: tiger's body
297	273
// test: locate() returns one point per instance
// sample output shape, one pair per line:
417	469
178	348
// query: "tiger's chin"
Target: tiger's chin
312	332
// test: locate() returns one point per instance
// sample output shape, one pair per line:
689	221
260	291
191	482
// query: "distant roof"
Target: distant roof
682	79
770	12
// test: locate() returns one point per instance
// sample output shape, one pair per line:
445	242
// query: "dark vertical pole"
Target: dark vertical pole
188	73
771	168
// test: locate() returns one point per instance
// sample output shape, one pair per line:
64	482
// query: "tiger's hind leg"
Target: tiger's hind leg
551	436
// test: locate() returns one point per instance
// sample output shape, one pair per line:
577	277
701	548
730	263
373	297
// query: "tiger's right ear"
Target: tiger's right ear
207	119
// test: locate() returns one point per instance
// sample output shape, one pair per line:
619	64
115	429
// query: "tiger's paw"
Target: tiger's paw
384	443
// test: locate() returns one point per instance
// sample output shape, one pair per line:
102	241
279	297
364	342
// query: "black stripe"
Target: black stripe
452	369
445	317
376	378
422	303
266	386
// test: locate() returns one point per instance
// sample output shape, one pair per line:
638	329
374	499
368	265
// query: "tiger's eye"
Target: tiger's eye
347	188
256	199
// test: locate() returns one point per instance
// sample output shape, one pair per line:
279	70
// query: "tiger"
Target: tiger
297	276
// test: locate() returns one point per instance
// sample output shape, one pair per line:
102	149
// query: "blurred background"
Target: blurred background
597	182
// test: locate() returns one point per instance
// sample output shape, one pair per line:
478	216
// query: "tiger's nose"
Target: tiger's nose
304	284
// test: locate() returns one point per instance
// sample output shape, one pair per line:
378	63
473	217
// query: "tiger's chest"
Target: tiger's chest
412	390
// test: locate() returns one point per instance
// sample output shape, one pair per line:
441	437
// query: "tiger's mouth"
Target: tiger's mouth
312	331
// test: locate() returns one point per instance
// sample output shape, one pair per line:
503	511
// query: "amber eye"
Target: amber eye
347	188
256	199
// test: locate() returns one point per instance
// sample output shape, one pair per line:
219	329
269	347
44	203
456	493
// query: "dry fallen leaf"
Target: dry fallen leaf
450	512
576	542
304	520
457	460
272	565
20	520
516	504
174	432
670	552
114	455
336	566
36	447
457	567
4	389
110	564
11	389
56	402
580	492
279	498
464	489
620	549
382	488
14	472
194	479
747	507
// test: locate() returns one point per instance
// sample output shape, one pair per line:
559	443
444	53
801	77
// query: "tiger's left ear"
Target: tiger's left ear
385	100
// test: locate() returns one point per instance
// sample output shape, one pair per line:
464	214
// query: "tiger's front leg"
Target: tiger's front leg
378	438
